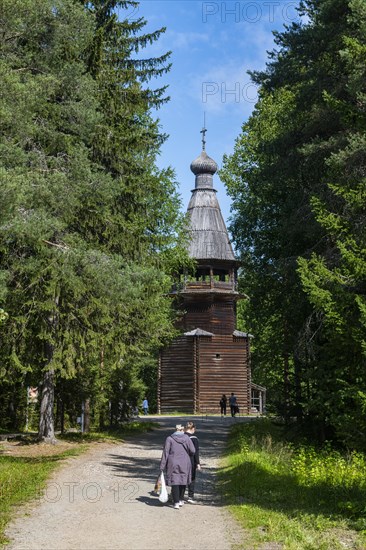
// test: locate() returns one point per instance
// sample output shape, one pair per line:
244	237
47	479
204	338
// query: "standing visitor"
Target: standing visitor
145	406
195	460
232	402
176	463
223	403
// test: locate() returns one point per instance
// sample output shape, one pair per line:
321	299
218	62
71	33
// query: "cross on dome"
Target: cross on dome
203	132
204	165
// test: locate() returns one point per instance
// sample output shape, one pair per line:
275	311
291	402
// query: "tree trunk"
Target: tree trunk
46	431
286	388
87	415
60	414
101	414
298	391
286	372
62	417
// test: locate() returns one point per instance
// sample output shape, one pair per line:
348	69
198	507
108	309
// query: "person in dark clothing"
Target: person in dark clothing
233	404
223	402
195	460
176	463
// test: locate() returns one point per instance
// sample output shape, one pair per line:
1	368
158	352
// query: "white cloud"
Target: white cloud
223	87
185	39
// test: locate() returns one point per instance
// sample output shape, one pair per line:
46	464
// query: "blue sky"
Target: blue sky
214	44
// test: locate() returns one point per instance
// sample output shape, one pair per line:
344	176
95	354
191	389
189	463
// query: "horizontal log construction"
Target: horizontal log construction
196	371
223	368
176	377
217	317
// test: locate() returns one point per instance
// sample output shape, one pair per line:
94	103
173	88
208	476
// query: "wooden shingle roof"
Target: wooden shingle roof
209	236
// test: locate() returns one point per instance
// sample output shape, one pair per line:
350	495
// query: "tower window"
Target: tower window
218	356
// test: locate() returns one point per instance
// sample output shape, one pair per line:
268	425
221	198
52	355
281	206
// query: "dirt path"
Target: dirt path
103	500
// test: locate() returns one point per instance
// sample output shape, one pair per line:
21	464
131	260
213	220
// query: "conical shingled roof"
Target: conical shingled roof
209	236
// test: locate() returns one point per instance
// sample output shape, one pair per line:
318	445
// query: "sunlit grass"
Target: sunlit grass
298	496
24	478
129	428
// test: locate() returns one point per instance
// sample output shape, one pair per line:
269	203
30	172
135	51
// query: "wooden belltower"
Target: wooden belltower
210	357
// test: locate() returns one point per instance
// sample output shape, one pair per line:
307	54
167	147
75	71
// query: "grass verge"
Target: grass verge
129	428
299	497
23	478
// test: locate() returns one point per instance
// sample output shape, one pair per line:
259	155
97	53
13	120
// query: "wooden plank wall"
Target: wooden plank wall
226	374
218	317
223	318
197	315
223	367
176	376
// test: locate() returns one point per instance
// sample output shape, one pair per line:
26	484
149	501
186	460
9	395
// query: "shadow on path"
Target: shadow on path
142	458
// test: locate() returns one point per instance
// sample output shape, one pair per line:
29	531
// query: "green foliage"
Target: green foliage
293	494
297	180
24	478
127	428
313	466
90	225
3	315
334	281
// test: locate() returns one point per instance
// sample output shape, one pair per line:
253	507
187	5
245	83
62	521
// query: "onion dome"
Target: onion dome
204	165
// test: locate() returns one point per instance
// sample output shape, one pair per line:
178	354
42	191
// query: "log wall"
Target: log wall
195	371
176	383
224	368
217	317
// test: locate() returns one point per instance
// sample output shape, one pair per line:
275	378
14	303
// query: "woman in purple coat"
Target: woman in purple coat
176	463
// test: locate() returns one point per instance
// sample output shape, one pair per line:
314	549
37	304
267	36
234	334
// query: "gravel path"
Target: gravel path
103	500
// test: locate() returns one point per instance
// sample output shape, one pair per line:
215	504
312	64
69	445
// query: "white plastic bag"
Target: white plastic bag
163	497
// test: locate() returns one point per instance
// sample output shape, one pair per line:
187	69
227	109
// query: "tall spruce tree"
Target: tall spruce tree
45	107
335	279
83	201
297	182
